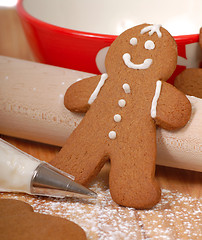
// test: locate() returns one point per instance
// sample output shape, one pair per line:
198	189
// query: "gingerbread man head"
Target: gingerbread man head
145	47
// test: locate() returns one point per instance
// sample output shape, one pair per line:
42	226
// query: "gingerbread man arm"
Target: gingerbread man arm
173	109
77	96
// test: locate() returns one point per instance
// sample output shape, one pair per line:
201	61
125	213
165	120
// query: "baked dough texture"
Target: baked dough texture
124	106
190	80
18	221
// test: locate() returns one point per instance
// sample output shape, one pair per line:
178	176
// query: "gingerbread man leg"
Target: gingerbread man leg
82	156
131	179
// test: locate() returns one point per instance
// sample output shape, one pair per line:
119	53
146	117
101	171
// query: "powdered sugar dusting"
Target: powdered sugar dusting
177	216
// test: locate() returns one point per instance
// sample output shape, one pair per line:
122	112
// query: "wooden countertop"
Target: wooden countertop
185	185
13	43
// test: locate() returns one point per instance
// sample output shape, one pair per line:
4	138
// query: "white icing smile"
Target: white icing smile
127	60
149	45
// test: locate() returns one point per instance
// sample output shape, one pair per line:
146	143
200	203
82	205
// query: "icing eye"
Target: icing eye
149	45
133	41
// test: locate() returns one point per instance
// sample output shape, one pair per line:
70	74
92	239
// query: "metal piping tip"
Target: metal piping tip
81	190
50	181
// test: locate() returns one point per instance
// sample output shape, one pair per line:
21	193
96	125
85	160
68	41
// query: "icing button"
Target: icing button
117	117
122	103
126	88
112	134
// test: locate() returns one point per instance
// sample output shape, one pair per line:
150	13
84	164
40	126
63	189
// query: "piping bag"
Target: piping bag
21	172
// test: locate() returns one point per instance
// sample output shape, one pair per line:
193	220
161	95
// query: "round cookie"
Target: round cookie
19	222
123	110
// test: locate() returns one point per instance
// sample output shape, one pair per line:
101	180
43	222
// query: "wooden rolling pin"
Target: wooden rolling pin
31	107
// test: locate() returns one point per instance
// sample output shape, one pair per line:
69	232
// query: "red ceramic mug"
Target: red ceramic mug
77	34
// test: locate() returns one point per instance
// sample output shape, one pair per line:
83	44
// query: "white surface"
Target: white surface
113	17
16	168
8	3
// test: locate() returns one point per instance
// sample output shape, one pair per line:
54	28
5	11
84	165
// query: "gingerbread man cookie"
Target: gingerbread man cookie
123	108
18	221
190	80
